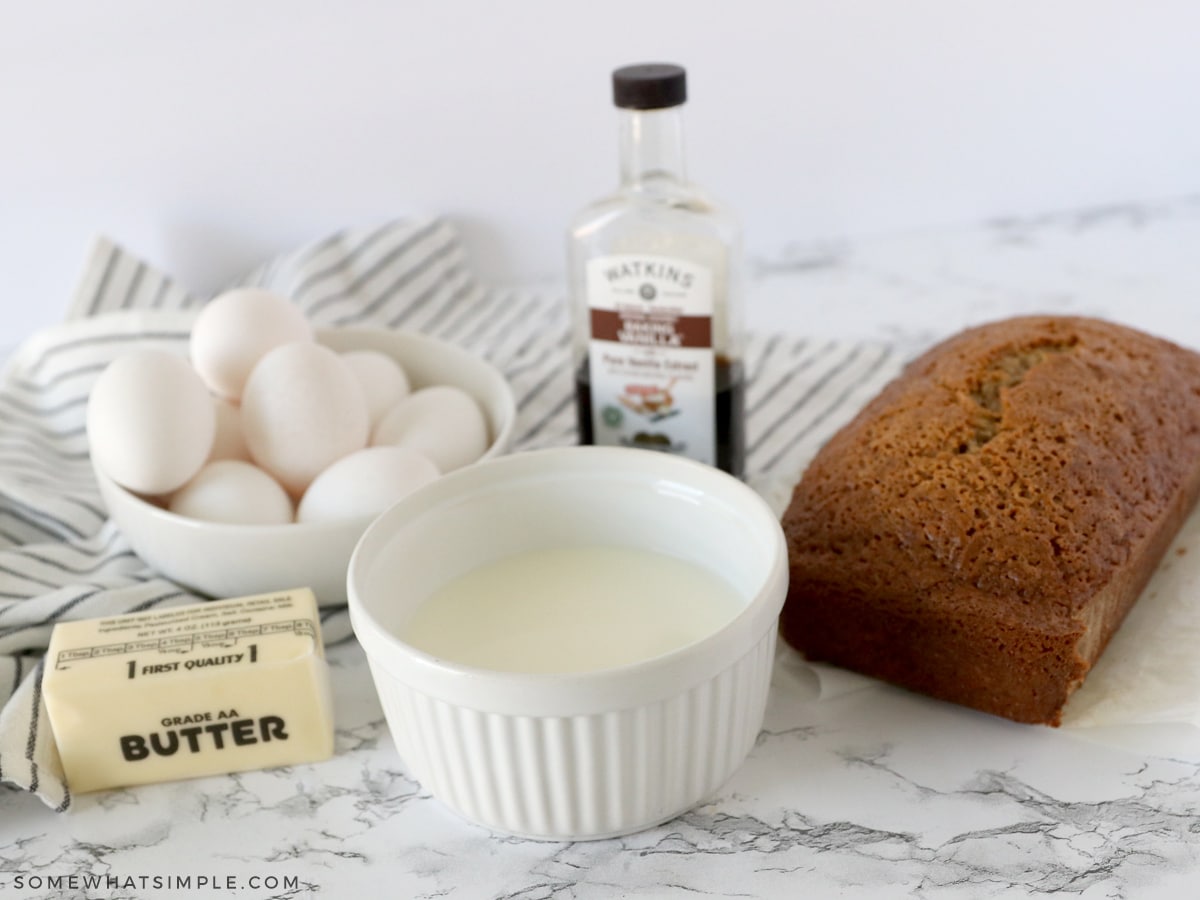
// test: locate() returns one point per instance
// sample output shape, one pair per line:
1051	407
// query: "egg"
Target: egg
229	442
236	330
365	484
150	421
383	381
443	422
233	491
302	409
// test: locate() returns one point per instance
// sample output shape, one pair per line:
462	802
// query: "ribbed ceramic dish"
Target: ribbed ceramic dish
580	755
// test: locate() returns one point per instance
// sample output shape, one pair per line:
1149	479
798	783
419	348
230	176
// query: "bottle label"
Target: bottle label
650	356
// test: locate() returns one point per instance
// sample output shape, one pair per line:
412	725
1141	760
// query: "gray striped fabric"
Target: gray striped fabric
61	559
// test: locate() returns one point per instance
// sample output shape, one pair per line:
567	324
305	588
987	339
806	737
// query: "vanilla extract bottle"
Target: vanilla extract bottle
653	269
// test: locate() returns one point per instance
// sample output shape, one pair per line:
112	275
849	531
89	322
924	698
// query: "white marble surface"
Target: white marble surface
874	794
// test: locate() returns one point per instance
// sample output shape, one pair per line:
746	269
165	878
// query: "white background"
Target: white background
205	136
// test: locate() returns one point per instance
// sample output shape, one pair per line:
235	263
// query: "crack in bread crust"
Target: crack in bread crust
1004	373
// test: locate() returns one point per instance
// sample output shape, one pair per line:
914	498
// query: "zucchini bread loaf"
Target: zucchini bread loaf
982	527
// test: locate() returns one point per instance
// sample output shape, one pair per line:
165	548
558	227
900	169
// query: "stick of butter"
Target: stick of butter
195	690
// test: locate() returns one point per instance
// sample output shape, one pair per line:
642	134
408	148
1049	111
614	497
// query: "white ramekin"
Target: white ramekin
585	755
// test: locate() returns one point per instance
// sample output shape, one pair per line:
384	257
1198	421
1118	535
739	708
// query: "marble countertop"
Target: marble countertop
873	794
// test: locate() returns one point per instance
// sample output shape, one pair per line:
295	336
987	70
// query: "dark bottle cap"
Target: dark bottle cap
649	86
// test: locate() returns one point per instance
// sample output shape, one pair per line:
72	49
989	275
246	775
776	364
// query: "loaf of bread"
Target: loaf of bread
978	532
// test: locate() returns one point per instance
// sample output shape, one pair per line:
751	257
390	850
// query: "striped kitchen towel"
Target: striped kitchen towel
60	557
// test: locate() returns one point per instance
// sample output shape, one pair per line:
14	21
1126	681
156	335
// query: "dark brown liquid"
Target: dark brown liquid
731	413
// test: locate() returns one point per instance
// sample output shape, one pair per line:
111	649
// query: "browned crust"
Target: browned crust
980	530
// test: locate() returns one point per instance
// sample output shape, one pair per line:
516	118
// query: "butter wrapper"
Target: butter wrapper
195	690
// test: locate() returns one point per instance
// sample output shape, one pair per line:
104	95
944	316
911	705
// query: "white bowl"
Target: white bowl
223	560
581	755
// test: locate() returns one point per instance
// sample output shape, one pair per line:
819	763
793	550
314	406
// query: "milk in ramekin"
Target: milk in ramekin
593	752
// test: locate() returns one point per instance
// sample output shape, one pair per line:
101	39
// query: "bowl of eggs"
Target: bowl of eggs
255	462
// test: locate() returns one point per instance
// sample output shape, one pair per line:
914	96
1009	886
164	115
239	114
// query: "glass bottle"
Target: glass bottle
654	283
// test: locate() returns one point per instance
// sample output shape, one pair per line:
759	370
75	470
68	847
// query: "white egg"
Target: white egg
150	421
365	484
383	381
230	442
237	329
234	491
302	409
443	422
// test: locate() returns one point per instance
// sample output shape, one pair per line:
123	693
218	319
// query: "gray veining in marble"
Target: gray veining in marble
876	794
